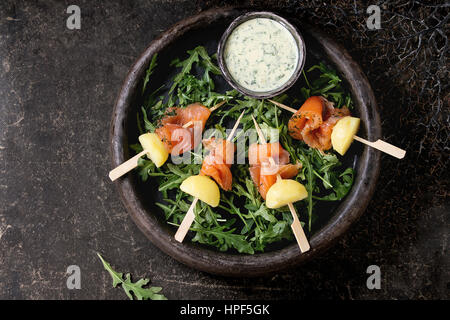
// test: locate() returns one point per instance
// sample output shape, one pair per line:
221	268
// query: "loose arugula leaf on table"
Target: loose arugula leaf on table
133	289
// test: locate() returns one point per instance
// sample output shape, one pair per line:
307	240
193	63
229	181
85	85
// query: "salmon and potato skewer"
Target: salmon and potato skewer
283	192
322	126
216	165
174	136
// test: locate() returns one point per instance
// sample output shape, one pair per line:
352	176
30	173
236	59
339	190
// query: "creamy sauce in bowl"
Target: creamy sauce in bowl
261	55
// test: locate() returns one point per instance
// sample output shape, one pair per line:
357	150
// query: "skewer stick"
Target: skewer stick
383	146
190	214
230	136
217	106
187	222
188	124
379	144
282	106
125	167
296	226
132	163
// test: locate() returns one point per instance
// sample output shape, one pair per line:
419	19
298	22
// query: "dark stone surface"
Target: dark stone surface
57	90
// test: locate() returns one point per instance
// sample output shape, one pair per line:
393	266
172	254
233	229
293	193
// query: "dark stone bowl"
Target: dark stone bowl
206	29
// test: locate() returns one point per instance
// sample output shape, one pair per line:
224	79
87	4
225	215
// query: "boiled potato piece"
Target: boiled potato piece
157	152
343	132
283	192
203	188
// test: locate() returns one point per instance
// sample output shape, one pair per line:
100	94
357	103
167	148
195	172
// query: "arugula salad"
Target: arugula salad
241	222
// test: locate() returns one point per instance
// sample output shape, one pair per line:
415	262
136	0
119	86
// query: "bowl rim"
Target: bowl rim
292	30
240	265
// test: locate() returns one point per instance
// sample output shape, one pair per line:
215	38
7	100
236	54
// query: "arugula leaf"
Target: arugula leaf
144	168
207	61
328	80
223	240
136	147
340	186
133	288
149	71
148	125
186	66
308	173
265	213
276	232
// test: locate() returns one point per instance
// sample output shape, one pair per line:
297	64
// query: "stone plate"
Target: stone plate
206	29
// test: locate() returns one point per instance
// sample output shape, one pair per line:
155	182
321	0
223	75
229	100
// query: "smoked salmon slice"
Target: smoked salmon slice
171	132
218	162
263	171
181	116
314	121
175	138
264	181
260	153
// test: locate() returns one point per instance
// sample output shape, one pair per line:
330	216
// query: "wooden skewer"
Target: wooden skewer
282	106
383	146
379	144
297	230
190	214
230	136
187	222
217	106
132	163
188	124
296	226
126	166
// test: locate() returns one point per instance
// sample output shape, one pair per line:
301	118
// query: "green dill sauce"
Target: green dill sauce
261	55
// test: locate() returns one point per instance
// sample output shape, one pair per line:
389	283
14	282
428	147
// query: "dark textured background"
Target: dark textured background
58	207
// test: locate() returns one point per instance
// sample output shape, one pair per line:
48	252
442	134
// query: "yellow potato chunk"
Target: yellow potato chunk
203	188
283	192
343	132
157	152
